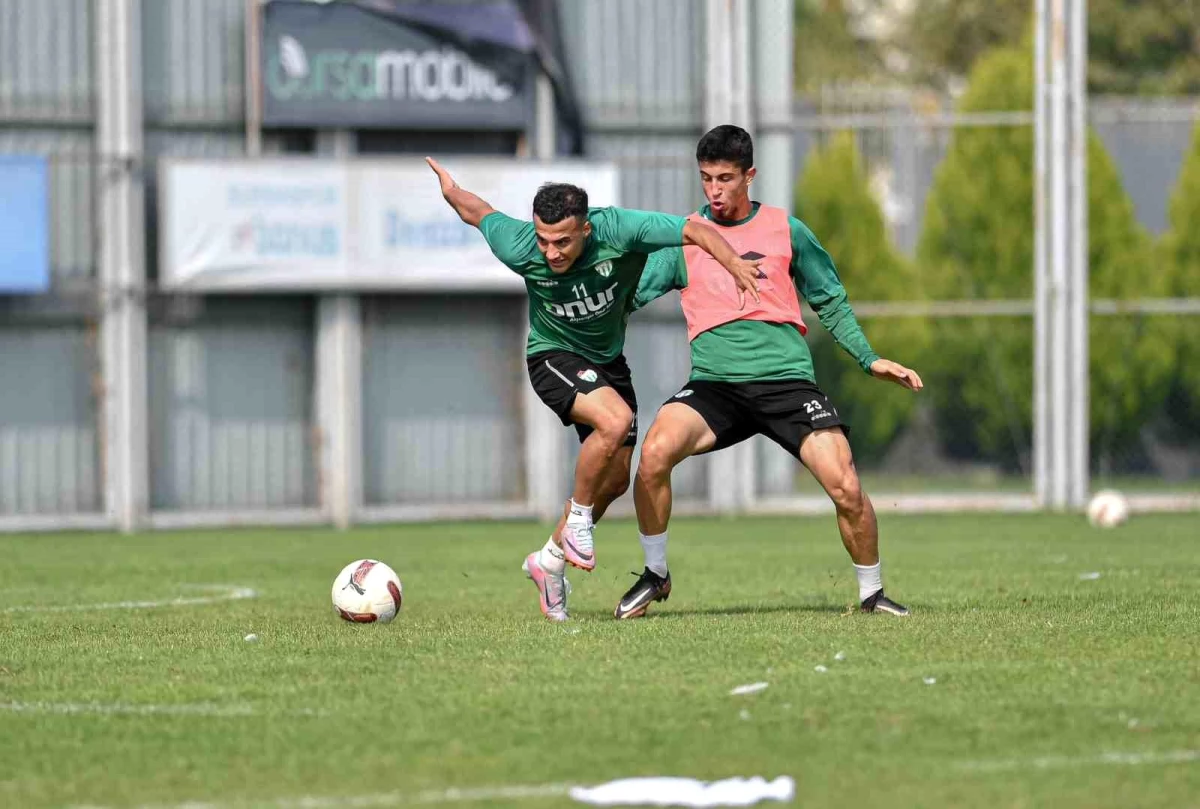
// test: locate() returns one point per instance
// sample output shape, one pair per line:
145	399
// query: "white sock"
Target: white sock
550	557
870	580
579	515
655	548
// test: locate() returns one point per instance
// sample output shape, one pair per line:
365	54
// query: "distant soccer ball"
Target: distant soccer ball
1108	509
367	592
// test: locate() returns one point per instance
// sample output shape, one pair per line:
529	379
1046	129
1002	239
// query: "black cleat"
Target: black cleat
881	603
649	587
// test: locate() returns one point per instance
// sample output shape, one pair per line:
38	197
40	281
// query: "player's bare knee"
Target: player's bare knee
615	425
655	462
847	493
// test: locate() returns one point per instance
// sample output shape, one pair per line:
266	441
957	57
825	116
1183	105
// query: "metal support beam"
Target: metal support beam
727	100
773	81
545	452
121	261
1061	288
339	383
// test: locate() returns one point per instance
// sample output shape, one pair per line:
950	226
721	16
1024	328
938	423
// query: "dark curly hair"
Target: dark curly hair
555	202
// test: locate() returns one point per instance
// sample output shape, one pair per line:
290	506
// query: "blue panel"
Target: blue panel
24	224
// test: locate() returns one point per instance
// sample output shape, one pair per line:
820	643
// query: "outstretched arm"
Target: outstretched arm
470	208
820	285
745	272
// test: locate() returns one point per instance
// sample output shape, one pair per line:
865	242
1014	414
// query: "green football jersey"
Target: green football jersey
584	310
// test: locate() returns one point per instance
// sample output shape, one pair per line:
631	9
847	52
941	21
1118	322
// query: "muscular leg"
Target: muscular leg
614	483
827	455
677	433
610	419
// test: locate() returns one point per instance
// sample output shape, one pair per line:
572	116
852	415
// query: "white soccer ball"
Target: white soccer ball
367	591
1108	509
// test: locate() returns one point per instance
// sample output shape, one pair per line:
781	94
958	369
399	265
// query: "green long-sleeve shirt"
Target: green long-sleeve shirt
755	350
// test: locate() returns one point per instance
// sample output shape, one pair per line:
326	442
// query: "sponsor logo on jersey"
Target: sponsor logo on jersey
585	308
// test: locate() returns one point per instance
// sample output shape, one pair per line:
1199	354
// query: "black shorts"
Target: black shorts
785	411
557	376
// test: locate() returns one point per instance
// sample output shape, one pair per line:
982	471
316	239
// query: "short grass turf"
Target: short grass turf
1021	678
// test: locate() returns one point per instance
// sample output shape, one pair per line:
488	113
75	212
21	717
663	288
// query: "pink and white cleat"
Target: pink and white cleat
578	548
552	588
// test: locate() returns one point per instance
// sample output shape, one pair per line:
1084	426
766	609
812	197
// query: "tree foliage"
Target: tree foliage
835	201
978	243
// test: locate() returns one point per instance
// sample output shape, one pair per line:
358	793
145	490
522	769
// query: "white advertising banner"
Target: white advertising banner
306	225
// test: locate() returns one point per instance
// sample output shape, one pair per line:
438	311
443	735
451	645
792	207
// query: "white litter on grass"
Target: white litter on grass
1089	576
1061	762
840	656
744	715
220	592
820	669
751	688
686	792
251	638
929	680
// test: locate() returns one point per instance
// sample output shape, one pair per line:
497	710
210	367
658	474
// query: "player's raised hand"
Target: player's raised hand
895	372
745	274
444	178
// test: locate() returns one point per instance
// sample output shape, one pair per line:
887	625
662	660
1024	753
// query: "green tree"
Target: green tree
834	200
978	243
1147	47
827	47
1181	250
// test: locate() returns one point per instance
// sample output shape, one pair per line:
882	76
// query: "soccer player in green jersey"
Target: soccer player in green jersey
752	372
581	267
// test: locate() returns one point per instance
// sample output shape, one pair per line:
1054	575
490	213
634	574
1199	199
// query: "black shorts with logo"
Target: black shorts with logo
557	376
784	411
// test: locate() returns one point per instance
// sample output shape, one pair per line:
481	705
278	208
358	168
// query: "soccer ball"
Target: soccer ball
367	591
1108	509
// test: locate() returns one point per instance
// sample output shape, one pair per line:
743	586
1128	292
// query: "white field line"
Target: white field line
1063	762
220	592
533	791
143	709
432	796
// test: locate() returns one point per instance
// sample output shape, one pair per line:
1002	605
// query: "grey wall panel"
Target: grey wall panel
441	399
1148	140
192	53
657	172
49	459
231	420
73	170
46	60
635	63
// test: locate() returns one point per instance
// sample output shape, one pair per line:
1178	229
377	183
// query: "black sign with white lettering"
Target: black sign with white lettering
340	66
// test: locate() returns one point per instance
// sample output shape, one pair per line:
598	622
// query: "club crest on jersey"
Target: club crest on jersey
587	376
604	268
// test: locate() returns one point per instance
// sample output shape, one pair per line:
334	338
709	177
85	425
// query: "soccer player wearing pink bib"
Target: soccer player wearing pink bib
752	372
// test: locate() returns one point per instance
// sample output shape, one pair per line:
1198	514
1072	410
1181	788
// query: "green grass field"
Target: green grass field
1050	688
